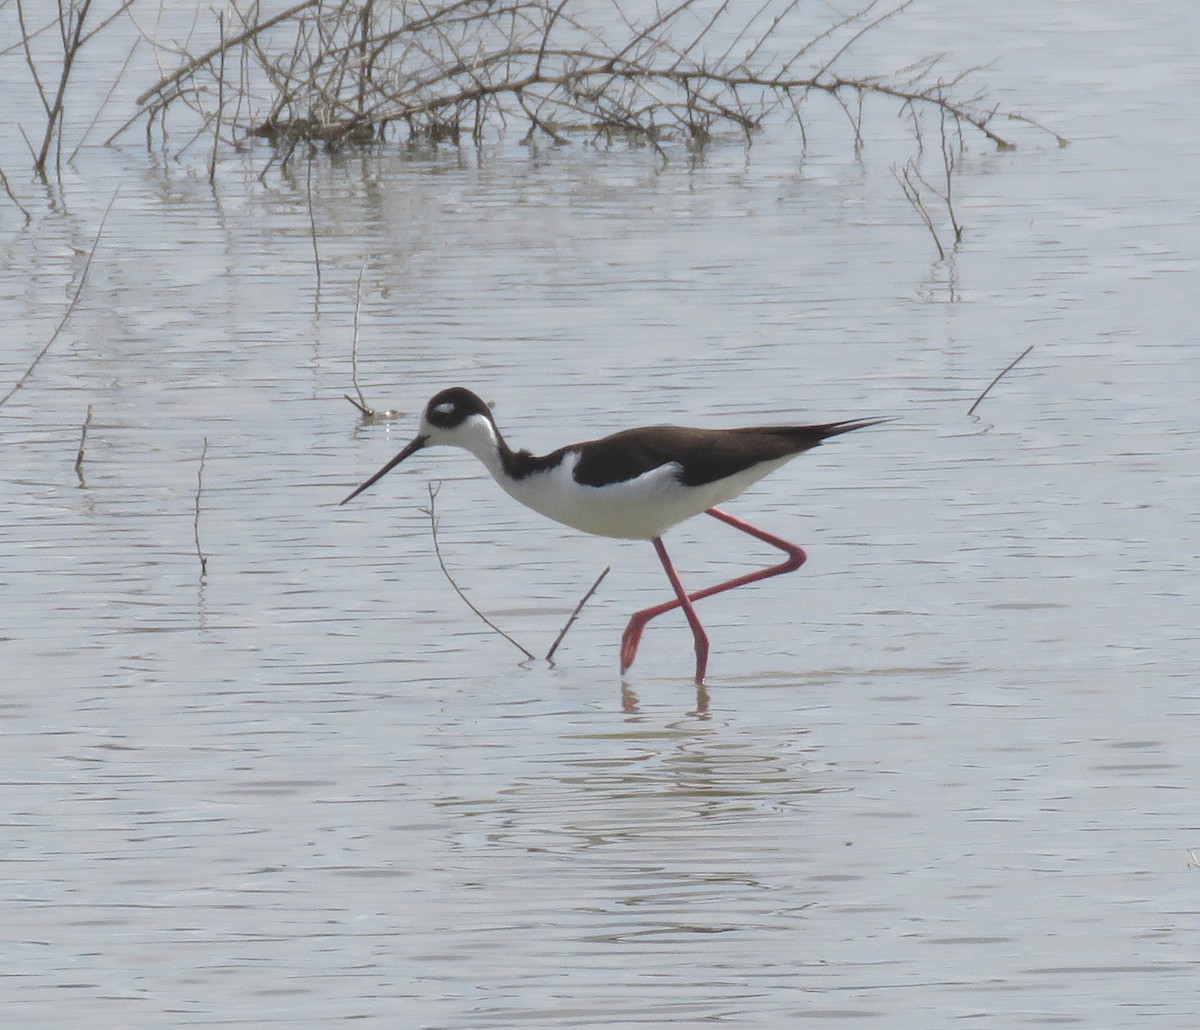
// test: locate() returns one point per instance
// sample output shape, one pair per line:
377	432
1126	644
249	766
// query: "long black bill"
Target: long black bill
412	448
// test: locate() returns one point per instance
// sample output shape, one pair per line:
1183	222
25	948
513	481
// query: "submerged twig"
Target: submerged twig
72	36
362	405
948	166
212	162
1008	368
908	179
82	440
575	614
13	197
70	307
1014	116
196	520
911	180
364	408
437	550
312	226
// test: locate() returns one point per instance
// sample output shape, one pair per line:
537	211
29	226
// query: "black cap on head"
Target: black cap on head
454	406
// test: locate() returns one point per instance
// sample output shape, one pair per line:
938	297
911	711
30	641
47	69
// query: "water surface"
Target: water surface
946	772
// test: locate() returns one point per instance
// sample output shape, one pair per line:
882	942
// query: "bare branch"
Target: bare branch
185	72
868	27
364	408
948	165
908	177
312	232
362	401
107	97
346	72
72	16
433	525
196	520
70	307
575	614
13	197
83	434
912	181
212	163
1007	368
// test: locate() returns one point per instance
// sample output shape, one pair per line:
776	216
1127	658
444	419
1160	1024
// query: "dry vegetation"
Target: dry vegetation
341	73
356	71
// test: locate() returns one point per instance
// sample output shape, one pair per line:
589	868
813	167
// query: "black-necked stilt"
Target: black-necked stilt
636	485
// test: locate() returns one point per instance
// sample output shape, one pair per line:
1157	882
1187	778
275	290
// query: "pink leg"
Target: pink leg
693	619
633	632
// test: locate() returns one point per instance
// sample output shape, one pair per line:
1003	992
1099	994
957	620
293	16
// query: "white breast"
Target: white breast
636	509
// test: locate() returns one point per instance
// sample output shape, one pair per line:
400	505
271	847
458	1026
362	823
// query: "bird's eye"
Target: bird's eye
440	414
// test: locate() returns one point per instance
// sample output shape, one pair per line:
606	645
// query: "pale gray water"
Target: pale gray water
945	773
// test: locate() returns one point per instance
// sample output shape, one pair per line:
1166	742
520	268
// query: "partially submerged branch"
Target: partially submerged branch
437	550
575	614
83	435
909	178
196	519
915	186
356	71
51	76
70	308
364	408
1003	372
13	197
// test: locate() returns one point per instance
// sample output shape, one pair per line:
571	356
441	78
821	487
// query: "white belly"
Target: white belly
636	509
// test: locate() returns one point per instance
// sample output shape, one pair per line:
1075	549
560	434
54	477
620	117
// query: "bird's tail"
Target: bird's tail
848	426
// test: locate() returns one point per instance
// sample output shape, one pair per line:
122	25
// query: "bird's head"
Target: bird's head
453	418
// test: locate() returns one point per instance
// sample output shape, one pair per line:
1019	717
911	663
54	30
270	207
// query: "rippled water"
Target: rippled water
945	772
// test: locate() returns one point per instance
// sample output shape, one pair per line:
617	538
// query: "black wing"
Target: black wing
703	455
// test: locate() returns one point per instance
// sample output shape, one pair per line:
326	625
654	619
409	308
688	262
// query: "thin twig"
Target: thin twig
212	161
365	59
1008	368
112	89
575	614
13	197
87	422
911	177
312	224
196	520
70	307
178	76
71	20
364	408
948	165
361	403
1013	116
433	525
905	178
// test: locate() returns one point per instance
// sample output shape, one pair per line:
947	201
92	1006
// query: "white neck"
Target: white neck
479	436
